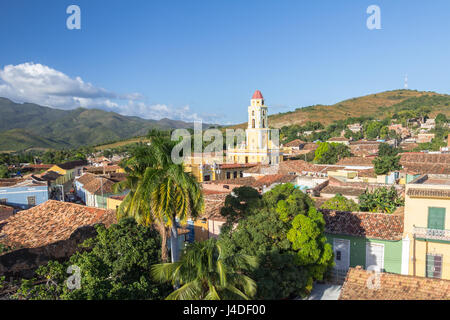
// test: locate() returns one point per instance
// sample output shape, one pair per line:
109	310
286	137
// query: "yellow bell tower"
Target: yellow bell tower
257	131
258	147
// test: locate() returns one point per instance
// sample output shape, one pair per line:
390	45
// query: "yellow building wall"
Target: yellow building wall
416	214
58	170
112	204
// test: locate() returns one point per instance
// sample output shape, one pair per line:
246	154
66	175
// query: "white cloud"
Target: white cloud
40	84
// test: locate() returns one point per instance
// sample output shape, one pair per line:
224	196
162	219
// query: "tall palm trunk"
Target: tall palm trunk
174	242
164	248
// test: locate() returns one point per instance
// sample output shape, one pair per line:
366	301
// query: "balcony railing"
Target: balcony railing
432	234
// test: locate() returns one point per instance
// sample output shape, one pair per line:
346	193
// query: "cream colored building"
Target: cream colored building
258	146
427	226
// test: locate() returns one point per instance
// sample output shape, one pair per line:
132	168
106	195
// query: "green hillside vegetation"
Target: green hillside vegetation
377	106
30	126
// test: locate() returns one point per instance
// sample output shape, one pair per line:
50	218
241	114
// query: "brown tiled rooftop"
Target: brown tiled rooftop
356	161
364	224
268	180
50	222
213	204
294	143
393	287
86	178
99	185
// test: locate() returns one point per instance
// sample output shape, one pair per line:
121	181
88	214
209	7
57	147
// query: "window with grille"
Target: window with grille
434	266
3	201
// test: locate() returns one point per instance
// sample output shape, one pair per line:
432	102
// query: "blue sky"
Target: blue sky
203	59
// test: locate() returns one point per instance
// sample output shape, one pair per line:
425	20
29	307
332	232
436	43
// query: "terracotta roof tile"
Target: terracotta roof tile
364	224
294	143
268	180
393	287
356	161
50	222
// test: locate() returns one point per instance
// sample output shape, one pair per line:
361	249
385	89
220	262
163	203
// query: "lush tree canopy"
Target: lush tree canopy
380	200
285	233
340	203
116	266
330	153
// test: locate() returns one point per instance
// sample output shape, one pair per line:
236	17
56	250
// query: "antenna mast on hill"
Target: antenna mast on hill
406	82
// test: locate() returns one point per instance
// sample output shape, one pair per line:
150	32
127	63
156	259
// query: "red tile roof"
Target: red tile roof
99	185
365	224
356	161
86	178
294	143
213	204
392	287
423	163
50	222
257	95
268	180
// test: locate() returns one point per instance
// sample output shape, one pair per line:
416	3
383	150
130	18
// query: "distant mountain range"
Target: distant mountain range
30	126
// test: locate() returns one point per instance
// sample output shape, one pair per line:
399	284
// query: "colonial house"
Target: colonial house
69	170
371	240
23	193
427	226
79	185
97	192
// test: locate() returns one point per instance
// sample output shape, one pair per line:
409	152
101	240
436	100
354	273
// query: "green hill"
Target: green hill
379	105
30	126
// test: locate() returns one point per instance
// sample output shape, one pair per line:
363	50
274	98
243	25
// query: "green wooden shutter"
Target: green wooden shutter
436	218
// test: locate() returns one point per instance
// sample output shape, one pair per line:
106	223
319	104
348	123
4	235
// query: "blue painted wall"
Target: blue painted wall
18	196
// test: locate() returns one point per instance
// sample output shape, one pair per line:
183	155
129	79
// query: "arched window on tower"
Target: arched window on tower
253	113
253	123
264	123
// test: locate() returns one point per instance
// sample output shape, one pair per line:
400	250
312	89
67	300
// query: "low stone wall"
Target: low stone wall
23	262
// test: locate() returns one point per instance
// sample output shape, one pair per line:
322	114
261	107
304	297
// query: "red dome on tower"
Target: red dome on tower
257	95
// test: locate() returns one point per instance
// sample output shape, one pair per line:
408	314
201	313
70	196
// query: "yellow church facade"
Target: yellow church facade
259	145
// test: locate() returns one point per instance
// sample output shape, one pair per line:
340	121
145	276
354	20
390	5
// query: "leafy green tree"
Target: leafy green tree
285	233
4	172
385	149
340	203
117	265
386	164
384	199
160	191
330	153
372	129
205	274
441	119
238	204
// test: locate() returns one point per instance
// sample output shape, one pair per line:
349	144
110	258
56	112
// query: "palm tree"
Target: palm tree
161	192
204	274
